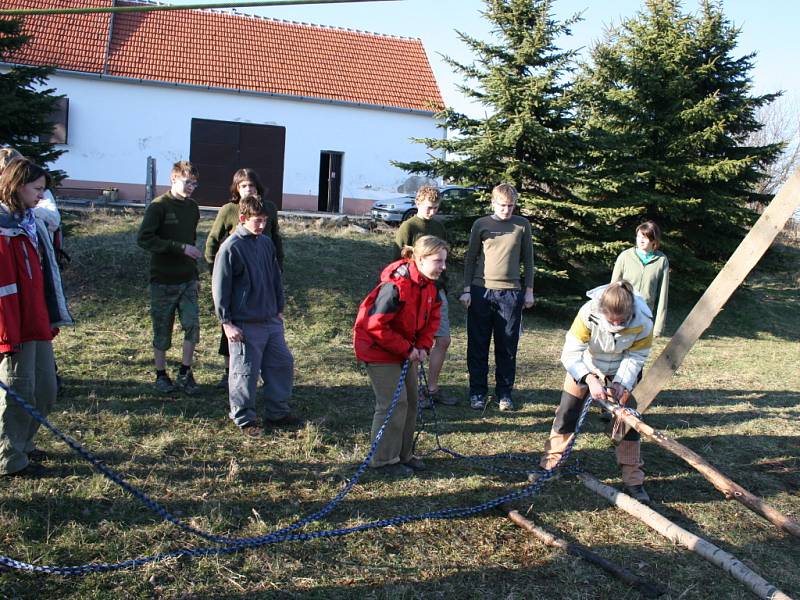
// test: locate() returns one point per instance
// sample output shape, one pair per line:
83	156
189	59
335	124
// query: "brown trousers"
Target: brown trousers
398	438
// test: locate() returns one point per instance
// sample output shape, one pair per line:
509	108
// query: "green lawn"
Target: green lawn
736	401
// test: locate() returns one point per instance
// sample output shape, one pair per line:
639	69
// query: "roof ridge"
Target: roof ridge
234	13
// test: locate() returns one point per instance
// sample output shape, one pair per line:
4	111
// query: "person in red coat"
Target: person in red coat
397	322
32	306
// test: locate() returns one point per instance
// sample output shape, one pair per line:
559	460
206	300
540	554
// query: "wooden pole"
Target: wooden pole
741	262
730	489
647	588
715	555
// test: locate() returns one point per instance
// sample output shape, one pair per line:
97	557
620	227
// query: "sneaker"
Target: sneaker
442	398
477	401
222	384
252	429
285	421
186	383
506	404
397	470
638	493
164	384
417	464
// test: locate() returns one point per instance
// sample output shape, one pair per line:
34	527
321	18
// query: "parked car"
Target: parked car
397	210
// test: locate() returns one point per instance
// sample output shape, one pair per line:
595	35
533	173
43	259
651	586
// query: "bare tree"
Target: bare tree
781	120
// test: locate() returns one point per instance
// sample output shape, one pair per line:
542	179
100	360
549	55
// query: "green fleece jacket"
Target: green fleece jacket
415	228
228	220
496	251
169	224
650	280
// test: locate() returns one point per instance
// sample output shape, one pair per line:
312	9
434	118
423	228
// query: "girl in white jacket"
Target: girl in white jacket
605	348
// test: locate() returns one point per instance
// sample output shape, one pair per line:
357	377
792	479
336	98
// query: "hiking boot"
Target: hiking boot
396	470
37	455
638	493
32	469
186	383
222	384
164	384
252	429
477	401
416	464
505	404
441	397
285	421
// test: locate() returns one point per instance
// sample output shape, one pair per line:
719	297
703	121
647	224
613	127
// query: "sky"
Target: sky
768	28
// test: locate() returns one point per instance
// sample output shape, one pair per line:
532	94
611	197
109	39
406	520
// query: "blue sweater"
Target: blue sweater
246	283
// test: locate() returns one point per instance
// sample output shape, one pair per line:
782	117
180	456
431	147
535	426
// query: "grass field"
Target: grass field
736	401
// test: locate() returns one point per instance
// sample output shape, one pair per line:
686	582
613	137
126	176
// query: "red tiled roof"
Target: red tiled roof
211	48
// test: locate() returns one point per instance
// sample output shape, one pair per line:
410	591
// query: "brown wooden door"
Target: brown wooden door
219	148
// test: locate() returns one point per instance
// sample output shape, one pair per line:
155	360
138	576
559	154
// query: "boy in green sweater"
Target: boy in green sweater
169	232
498	245
428	201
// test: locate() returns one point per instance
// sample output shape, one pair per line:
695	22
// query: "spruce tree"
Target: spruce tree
26	103
527	138
666	109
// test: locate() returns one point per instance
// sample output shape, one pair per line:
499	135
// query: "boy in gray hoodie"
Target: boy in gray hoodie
249	302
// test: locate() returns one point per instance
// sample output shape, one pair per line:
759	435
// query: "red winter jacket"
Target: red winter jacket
23	311
400	314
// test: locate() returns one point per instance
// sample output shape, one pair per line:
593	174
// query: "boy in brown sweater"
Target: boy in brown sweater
493	295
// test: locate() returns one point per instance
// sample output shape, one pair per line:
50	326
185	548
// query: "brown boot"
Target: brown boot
553	449
629	458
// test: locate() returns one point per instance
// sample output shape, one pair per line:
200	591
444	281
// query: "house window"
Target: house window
59	118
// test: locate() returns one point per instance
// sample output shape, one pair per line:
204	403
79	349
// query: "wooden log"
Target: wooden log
730	489
741	262
648	589
715	555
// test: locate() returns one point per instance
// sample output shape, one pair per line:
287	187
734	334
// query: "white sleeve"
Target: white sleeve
47	211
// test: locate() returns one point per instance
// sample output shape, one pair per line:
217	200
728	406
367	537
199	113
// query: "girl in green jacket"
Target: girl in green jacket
647	268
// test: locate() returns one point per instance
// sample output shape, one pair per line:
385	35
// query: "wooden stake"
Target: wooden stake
741	262
730	489
647	588
727	562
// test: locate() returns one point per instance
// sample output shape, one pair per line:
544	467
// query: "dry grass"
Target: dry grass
735	401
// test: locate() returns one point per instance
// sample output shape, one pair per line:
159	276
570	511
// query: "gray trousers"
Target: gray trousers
398	438
31	373
263	352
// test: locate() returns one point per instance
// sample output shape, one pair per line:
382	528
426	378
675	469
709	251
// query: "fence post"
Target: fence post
150	181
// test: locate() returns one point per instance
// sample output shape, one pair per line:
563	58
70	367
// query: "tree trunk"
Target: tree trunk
730	489
727	562
648	589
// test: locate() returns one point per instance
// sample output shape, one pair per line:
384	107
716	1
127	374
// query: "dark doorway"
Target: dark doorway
220	148
330	181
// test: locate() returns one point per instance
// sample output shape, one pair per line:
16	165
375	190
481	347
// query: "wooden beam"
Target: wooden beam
645	587
730	489
741	262
713	554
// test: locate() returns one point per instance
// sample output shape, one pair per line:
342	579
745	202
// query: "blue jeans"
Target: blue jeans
498	314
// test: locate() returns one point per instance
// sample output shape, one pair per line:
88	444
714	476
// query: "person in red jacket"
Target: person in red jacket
31	307
397	321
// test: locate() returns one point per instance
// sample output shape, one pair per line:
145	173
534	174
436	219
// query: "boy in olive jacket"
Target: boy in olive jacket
169	232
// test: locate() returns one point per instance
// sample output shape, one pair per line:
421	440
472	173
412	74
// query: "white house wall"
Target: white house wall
114	126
